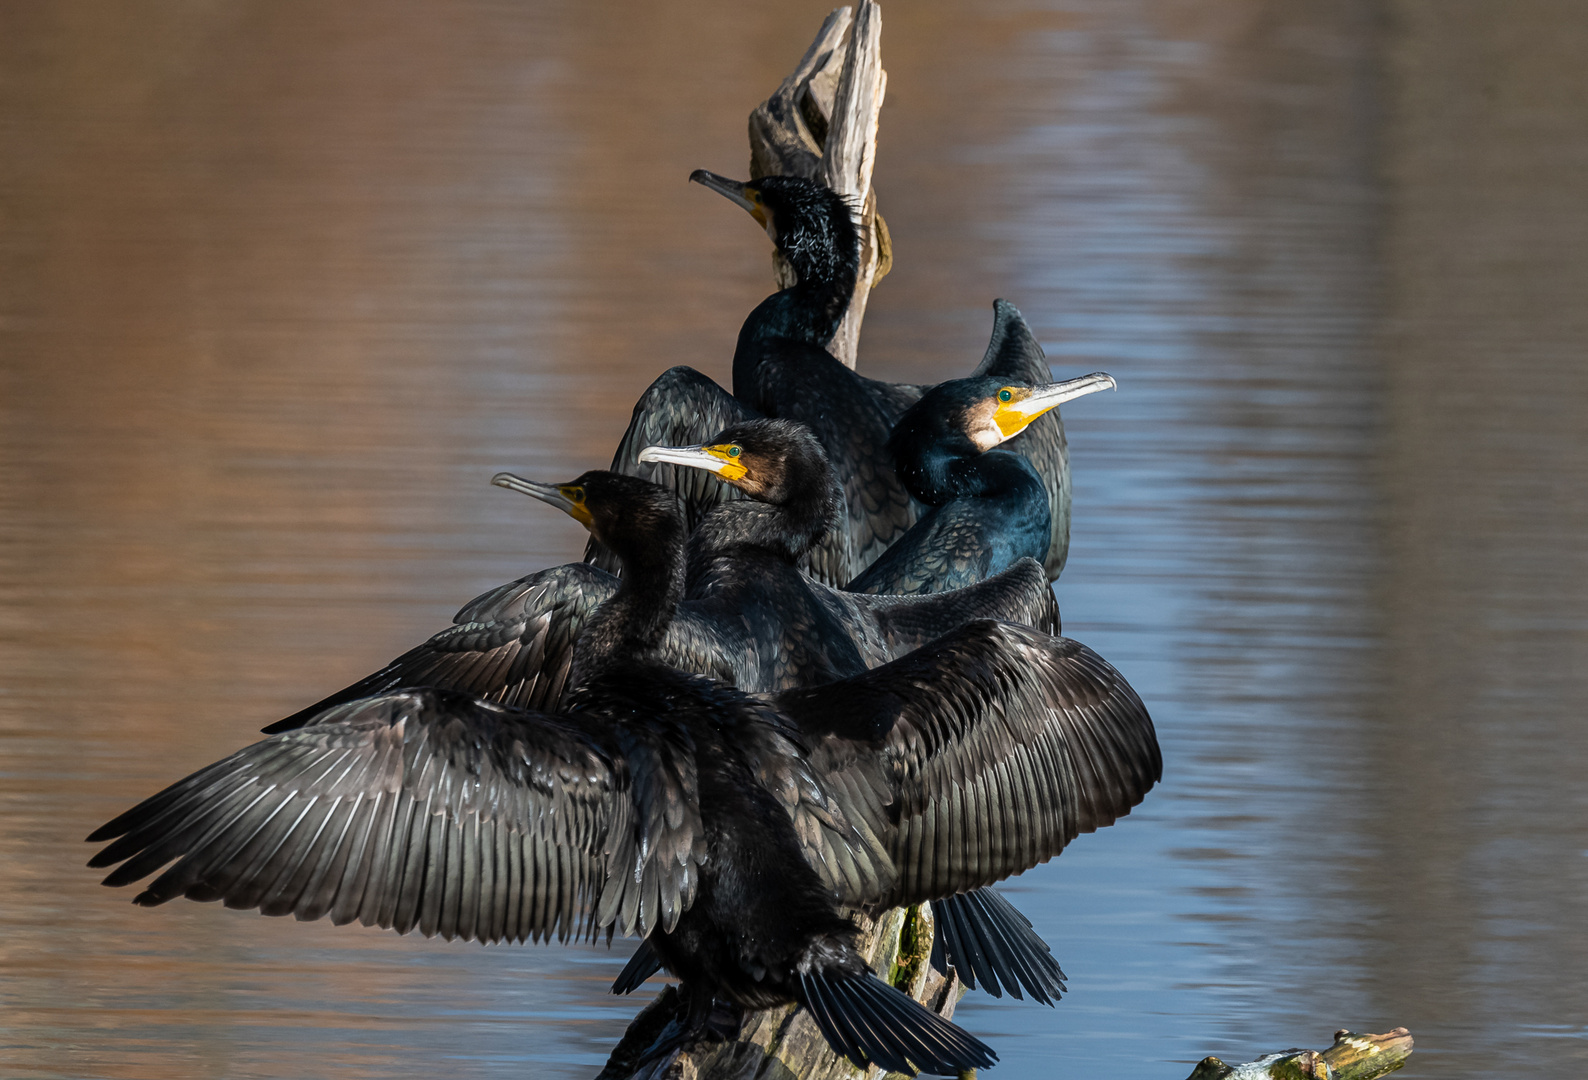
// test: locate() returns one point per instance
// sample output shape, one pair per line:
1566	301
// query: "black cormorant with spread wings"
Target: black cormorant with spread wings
744	564
751	618
987	507
732	831
781	368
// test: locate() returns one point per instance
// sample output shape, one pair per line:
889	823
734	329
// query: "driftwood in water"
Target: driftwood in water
821	123
1352	1057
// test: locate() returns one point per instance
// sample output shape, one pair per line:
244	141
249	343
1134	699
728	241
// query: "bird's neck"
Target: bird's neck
631	624
808	311
927	464
937	473
787	531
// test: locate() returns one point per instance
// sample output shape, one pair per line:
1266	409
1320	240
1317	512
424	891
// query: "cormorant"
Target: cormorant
988	506
744	564
781	368
751	618
731	830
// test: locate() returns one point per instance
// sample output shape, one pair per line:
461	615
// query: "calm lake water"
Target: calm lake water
282	285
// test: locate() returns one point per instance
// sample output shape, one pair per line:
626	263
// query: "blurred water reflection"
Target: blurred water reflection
282	284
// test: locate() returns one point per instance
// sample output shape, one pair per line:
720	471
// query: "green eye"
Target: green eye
1004	395
733	451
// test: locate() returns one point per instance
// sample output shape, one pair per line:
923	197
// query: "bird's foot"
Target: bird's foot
700	1020
725	1022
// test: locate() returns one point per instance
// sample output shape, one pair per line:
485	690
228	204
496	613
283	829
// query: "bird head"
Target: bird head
812	225
623	512
987	411
772	461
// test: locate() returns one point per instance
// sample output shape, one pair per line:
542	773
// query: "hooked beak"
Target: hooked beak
709	458
553	494
1013	417
734	190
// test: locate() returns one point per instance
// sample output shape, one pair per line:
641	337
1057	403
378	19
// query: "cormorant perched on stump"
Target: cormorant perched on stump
730	830
988	507
781	368
751	618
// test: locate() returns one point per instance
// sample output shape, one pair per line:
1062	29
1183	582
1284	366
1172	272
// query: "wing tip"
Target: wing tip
1001	944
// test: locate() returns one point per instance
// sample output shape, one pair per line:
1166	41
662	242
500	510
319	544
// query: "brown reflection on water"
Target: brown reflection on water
282	284
1481	885
272	276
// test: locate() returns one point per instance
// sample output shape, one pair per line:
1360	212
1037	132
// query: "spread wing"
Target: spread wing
948	548
810	386
514	645
1013	353
894	398
681	408
998	745
1020	594
422	809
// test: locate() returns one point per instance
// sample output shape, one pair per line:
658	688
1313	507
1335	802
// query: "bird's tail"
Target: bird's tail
988	940
641	966
870	1023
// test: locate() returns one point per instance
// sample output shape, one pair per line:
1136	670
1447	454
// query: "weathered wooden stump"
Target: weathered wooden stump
820	123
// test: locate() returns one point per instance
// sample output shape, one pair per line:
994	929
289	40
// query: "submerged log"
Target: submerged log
1352	1057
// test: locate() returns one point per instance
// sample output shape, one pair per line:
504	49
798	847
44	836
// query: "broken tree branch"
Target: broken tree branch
821	123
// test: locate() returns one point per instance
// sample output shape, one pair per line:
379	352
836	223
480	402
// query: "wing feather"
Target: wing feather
514	645
347	897
894	399
1001	745
903	623
681	408
419	808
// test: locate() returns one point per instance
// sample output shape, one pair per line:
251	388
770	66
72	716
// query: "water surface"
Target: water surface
281	285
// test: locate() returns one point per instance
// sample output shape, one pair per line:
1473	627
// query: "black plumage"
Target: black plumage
743	566
987	507
781	368
730	829
749	616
